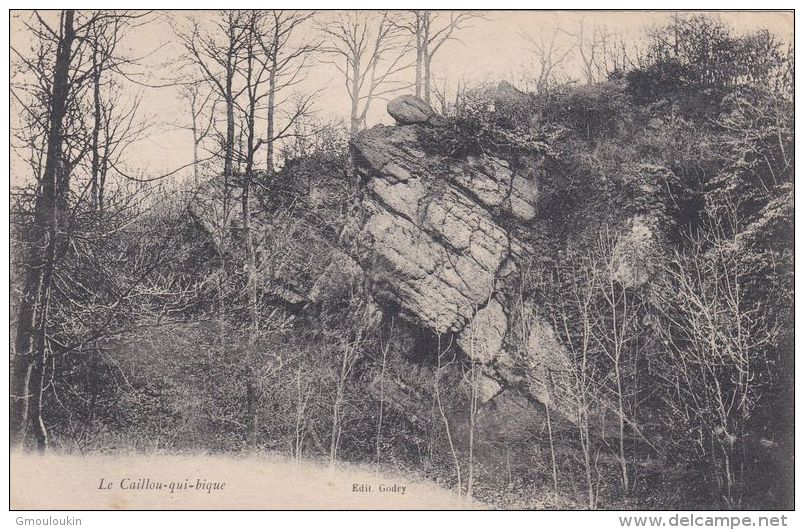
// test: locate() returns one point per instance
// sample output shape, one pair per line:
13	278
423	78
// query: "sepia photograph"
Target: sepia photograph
388	259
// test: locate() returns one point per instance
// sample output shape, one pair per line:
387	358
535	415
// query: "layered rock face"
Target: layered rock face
430	242
433	240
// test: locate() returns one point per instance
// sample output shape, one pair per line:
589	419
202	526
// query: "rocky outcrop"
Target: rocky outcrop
430	241
437	238
439	241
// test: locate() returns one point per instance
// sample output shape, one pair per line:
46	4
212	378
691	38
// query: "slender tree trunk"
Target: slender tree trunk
269	139
583	427
354	128
621	413
470	478
196	176
96	126
443	414
301	406
354	114
335	435
427	57
104	169
30	353
382	391
427	96
230	139
419	54
251	257
251	288
196	140
269	148
550	385
552	455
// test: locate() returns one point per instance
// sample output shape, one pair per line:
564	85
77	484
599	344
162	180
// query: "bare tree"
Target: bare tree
224	57
255	74
384	347
618	56
30	344
217	53
304	391
588	43
549	57
472	374
617	321
538	373
368	52
200	126
57	78
287	63
570	292
716	365
431	29
349	349
441	365
105	37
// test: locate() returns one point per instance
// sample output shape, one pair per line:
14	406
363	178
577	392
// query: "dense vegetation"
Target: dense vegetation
156	341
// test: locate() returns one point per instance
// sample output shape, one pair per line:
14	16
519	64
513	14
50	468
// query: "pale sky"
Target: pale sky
492	49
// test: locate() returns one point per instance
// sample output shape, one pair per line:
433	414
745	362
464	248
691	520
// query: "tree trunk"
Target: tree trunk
196	140
381	412
30	353
470	480
583	427
552	455
354	114
251	258
428	57
443	414
623	461
419	54
230	139
269	139
196	176
335	433
94	188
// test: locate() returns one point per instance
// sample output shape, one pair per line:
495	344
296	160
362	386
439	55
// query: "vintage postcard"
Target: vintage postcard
408	260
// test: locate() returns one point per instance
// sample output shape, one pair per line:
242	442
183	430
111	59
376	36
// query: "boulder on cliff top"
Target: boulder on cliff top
410	110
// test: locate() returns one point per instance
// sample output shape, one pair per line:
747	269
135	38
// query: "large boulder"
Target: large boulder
409	110
507	94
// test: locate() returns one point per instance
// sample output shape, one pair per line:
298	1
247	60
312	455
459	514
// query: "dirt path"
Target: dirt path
211	482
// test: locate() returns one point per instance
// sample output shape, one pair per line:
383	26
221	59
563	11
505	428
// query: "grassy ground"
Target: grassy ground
57	481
